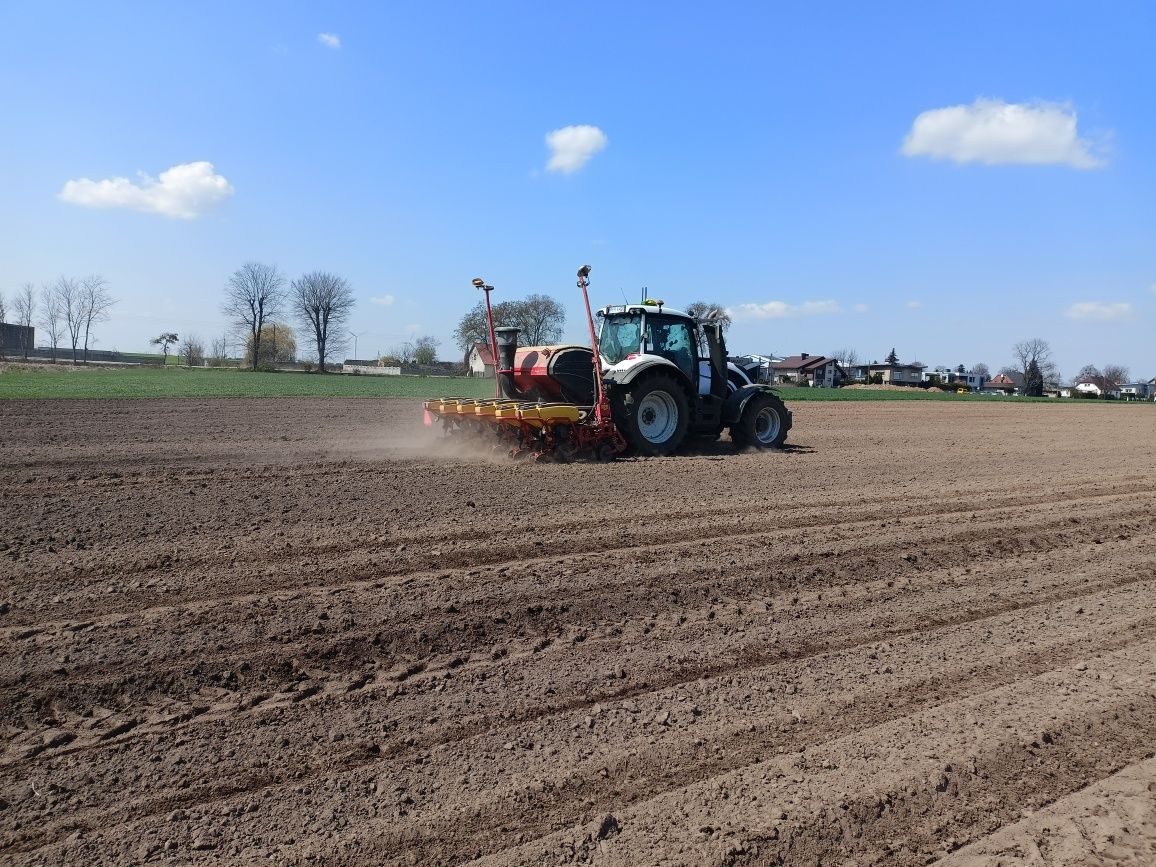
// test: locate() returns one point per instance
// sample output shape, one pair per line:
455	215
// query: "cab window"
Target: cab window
673	339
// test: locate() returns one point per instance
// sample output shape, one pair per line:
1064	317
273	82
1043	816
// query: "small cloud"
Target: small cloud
860	308
1100	311
994	132
329	40
783	310
184	192
412	329
914	305
383	300
571	147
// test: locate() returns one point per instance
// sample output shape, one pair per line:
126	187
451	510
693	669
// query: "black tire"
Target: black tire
763	424
639	415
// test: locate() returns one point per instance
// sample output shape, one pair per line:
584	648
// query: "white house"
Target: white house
1088	386
481	360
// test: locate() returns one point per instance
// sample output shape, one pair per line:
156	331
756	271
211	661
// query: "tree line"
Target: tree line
68	309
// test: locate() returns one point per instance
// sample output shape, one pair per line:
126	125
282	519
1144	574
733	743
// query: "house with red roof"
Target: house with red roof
814	370
481	360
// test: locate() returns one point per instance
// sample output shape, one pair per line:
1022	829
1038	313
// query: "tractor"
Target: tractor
652	379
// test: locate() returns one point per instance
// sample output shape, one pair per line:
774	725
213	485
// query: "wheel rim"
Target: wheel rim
657	417
767	425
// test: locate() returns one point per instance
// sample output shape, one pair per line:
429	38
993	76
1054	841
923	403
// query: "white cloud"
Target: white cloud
1100	311
412	329
571	147
383	300
184	192
783	310
329	40
861	308
991	131
914	305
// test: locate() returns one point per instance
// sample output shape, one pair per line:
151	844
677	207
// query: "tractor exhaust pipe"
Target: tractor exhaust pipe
506	340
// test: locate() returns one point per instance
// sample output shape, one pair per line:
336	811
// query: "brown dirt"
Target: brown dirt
301	631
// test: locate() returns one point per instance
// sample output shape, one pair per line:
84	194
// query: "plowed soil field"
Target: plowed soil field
304	631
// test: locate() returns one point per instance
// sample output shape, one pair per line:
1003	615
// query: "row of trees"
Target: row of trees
256	295
68	309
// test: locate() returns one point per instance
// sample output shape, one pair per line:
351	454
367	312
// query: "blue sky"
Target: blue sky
946	179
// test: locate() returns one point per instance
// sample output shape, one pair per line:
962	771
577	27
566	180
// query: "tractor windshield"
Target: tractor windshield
621	335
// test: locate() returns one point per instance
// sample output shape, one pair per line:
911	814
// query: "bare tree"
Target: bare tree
164	340
982	369
253	296
322	302
220	351
51	317
1114	375
1040	351
71	307
95	303
24	305
403	354
540	319
3	319
703	309
191	351
846	357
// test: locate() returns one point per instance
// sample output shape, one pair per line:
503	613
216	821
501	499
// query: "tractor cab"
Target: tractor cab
648	333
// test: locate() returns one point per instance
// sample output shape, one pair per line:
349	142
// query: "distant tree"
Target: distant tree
425	350
164	340
472	326
1040	351
892	358
219	353
982	369
402	354
253	296
71	308
961	369
3	319
846	357
1090	373
51	318
1114	375
276	344
24	306
1033	380
95	304
703	309
539	318
192	351
322	303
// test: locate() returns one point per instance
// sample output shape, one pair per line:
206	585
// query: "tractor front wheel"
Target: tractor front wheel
763	424
653	416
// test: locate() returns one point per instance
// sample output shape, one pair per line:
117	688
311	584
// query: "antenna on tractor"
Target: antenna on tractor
479	283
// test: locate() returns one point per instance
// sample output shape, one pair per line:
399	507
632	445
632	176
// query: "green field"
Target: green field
140	382
109	382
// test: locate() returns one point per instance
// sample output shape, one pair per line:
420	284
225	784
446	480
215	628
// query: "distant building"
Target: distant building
481	360
1001	383
815	370
16	339
890	374
1089	386
974	381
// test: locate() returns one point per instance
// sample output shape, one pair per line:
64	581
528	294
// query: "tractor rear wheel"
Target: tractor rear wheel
763	424
653	416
